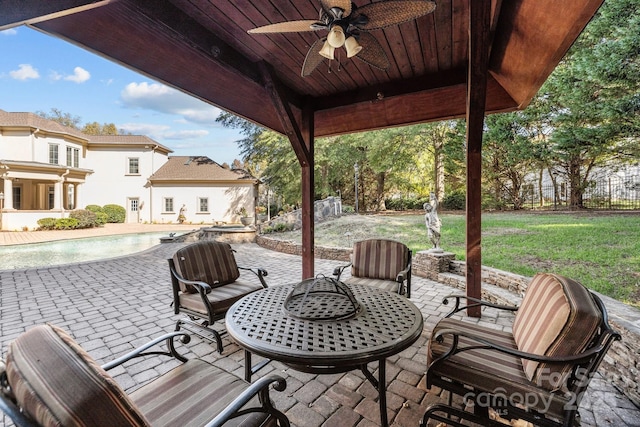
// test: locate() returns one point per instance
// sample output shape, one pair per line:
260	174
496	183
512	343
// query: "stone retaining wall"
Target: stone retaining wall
322	209
621	365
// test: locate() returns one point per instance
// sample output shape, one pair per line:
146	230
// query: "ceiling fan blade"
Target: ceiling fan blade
288	27
372	52
393	12
342	4
313	58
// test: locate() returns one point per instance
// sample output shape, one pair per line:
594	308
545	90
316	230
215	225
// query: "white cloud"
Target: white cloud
163	99
153	131
9	32
186	134
25	72
80	75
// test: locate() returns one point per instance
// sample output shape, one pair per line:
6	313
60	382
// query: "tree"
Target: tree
593	97
65	119
508	156
96	128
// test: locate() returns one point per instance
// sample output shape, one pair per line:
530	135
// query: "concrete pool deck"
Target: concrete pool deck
25	237
110	306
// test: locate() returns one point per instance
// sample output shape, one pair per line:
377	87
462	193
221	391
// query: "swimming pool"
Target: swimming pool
75	250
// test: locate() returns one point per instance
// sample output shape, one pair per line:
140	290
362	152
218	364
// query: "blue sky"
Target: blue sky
39	72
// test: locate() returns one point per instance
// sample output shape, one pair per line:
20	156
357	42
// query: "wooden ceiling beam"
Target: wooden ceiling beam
191	32
24	12
291	125
391	89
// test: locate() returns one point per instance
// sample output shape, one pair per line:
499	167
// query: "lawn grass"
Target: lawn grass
602	251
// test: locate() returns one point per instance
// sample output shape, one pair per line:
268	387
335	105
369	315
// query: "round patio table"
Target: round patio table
385	324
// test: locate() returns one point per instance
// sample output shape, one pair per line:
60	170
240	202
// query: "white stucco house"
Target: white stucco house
48	170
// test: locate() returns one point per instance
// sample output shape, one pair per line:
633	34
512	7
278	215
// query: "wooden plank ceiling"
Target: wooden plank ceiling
202	48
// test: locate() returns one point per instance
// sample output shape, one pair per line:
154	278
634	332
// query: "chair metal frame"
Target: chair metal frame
258	388
402	277
585	364
196	319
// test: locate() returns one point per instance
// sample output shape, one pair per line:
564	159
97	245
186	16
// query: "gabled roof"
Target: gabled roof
203	49
34	121
126	140
200	169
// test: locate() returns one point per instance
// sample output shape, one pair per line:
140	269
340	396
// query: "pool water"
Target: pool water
75	250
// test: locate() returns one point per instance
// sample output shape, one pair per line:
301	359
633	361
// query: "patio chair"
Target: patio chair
206	282
50	380
536	372
382	263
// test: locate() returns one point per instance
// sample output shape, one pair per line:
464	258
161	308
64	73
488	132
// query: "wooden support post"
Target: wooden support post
308	215
479	27
301	136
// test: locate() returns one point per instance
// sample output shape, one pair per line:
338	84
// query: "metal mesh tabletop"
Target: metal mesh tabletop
386	324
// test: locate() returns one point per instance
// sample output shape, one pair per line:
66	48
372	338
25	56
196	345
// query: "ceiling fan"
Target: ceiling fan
349	26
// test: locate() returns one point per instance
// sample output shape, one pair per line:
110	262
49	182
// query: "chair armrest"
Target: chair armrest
260	388
485	344
260	272
141	351
201	286
13	412
402	276
339	270
473	302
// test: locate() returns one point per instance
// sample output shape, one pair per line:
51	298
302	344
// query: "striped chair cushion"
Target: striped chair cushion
191	395
488	370
557	317
387	285
220	299
206	261
379	259
58	384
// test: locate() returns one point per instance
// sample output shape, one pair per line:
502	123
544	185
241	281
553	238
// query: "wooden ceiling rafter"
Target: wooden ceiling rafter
25	12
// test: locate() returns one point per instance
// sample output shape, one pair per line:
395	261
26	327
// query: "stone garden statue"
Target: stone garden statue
432	221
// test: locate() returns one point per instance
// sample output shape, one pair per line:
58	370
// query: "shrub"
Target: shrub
456	200
46	224
101	218
347	209
280	227
115	213
94	208
267	230
66	223
86	218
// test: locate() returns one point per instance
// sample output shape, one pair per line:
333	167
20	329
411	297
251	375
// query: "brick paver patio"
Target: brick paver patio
111	306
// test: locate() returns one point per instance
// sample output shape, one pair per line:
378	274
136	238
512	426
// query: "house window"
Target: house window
69	156
53	154
17	197
134	205
71	196
76	157
168	204
134	166
51	193
203	204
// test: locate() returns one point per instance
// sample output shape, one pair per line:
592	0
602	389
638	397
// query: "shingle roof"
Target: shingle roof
198	168
35	121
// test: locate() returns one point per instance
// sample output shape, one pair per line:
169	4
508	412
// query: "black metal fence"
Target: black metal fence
608	193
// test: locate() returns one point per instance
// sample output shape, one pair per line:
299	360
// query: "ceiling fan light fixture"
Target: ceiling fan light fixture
336	36
327	50
352	46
